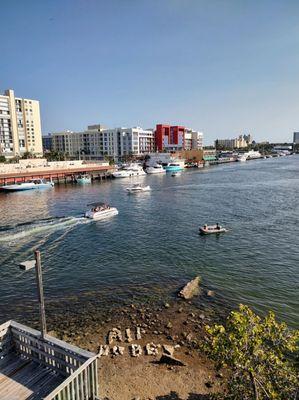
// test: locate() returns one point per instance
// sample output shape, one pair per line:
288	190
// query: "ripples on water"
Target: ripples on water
152	247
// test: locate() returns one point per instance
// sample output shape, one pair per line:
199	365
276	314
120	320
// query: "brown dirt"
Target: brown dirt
125	377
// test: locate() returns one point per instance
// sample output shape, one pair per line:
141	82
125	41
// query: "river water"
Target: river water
152	247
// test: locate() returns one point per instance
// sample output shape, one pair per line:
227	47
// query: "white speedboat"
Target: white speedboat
137	188
100	211
83	179
128	171
32	184
209	229
155	169
176	173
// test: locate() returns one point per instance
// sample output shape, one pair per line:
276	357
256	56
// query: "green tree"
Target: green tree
53	156
109	159
27	155
2	159
258	354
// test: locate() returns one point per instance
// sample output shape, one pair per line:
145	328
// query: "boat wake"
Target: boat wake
13	233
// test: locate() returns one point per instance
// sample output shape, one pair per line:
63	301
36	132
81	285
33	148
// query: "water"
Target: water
152	247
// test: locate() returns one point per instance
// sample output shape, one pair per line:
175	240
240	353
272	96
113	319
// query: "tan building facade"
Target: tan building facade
240	142
20	126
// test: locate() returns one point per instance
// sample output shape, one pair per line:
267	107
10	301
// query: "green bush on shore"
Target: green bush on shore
259	355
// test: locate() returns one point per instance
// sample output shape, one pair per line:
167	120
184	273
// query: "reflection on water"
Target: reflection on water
152	247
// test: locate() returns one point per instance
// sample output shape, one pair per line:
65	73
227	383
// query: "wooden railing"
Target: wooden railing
6	344
81	385
77	365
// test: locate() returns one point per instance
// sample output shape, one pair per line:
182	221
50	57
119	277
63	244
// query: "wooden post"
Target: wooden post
40	290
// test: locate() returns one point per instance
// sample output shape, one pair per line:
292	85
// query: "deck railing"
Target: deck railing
77	365
81	385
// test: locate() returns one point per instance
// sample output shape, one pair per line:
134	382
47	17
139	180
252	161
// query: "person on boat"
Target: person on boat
205	227
218	226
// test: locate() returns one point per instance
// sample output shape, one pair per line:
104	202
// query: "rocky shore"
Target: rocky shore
149	351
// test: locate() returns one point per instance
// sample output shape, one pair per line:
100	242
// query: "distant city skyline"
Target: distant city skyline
223	68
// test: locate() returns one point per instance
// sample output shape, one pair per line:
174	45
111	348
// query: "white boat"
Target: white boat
250	155
209	229
100	211
176	173
128	171
174	166
83	179
155	169
30	185
137	188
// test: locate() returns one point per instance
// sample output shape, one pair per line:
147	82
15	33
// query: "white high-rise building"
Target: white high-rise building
97	142
20	126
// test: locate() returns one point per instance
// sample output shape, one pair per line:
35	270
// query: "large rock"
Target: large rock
167	349
167	359
191	289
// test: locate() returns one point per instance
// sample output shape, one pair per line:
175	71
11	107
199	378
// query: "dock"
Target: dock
36	368
57	172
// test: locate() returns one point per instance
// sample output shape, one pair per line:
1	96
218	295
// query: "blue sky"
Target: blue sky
223	67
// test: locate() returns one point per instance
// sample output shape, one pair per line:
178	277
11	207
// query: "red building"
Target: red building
170	138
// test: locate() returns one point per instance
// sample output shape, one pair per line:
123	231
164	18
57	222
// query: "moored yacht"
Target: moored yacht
32	184
249	155
155	169
100	211
173	166
130	170
83	179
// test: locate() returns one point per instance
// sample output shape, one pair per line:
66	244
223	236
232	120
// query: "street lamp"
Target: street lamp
26	266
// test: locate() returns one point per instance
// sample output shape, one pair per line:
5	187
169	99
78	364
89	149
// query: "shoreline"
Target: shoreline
177	324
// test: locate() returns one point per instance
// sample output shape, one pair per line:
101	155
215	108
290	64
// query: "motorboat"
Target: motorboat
128	171
155	169
100	211
242	157
209	229
137	188
30	185
173	166
176	173
83	179
250	155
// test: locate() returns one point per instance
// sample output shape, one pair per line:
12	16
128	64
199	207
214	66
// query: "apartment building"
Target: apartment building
237	143
193	139
177	138
97	142
20	126
119	142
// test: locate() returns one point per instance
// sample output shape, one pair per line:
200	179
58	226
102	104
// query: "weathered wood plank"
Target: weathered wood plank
23	379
